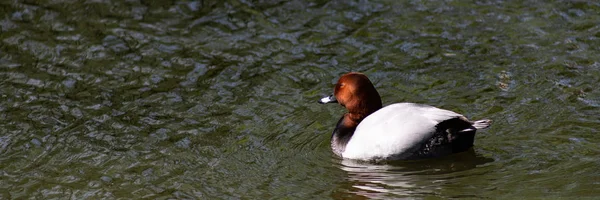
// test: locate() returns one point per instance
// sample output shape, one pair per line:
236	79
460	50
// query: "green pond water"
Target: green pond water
107	99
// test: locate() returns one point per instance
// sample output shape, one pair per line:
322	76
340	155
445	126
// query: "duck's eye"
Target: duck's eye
341	85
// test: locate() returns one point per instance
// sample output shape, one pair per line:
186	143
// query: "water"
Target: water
217	99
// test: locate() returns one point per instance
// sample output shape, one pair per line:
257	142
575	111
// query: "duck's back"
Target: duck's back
396	131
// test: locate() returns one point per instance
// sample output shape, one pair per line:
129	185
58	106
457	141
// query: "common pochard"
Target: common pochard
400	131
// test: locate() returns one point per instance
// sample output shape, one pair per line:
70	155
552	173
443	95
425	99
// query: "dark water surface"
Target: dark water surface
217	99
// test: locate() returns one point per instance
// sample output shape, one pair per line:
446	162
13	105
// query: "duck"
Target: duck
399	131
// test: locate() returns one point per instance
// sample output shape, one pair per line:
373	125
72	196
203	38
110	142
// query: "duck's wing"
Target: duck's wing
395	130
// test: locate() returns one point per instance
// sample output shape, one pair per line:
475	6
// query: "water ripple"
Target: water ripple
216	99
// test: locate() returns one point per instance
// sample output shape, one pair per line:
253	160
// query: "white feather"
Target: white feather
395	131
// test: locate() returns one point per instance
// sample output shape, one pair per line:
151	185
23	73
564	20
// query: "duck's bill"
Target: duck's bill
329	99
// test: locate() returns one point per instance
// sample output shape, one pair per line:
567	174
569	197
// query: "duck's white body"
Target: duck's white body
395	131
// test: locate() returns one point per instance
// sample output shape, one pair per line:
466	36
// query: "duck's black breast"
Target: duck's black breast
340	137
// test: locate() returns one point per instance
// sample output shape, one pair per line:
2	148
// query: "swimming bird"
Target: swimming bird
400	131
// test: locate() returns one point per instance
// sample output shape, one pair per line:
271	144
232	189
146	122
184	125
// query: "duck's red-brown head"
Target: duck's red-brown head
355	92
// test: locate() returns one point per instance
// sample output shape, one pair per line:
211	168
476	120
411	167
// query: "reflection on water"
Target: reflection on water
408	178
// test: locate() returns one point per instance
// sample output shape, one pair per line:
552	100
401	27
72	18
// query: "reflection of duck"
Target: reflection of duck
401	131
399	179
